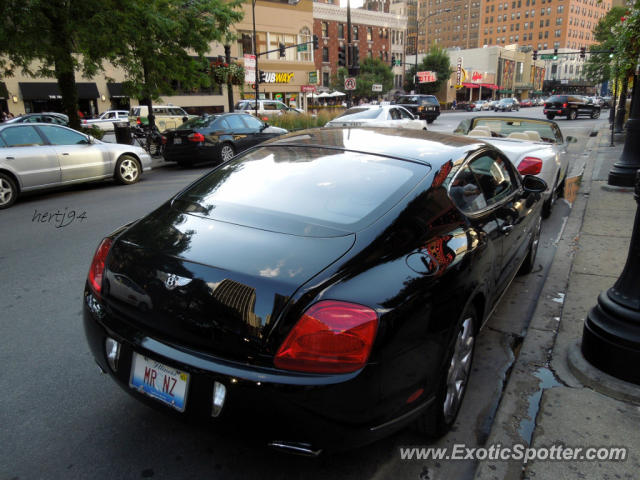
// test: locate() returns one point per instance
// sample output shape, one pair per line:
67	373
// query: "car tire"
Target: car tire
128	170
430	120
442	413
550	116
547	206
8	191
595	113
227	152
530	259
572	114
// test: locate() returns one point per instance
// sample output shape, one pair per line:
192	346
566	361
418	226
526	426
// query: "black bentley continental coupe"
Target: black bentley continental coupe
325	287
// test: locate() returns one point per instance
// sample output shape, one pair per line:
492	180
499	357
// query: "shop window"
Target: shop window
325	29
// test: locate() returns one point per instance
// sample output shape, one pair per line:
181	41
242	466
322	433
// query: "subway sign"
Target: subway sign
275	77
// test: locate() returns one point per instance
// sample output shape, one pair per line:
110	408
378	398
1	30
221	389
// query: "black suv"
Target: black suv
425	107
570	106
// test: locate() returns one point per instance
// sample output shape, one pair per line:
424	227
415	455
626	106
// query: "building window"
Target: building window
325	54
369	34
355	32
325	79
370	53
303	37
341	30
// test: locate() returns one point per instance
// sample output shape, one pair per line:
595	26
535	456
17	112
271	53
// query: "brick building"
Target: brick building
448	23
371	32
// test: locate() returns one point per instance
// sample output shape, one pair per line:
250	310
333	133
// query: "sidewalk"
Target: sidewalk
553	396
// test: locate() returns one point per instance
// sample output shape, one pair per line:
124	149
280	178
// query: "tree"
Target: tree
337	79
163	43
437	60
373	71
598	66
54	39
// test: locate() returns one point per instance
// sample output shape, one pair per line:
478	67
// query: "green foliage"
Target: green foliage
296	121
337	79
373	71
598	66
436	61
94	131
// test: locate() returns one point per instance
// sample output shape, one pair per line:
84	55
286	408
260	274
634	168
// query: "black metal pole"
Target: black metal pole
623	172
255	54
611	334
612	113
349	49
227	58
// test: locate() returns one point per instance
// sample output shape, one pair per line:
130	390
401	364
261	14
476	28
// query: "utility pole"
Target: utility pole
349	49
227	58
255	53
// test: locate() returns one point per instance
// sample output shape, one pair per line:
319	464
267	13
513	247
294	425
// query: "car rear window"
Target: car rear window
308	191
358	112
557	98
198	122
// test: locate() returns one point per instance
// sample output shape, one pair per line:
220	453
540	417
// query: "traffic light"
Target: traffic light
393	60
342	58
283	50
611	53
355	57
535	55
583	51
315	42
555	53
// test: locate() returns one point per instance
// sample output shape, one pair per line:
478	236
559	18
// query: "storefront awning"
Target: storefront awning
478	85
491	86
4	93
115	90
50	90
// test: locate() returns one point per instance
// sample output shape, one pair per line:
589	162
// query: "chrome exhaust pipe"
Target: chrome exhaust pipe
295	448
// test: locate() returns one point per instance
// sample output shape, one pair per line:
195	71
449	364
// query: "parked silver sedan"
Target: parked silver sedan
37	156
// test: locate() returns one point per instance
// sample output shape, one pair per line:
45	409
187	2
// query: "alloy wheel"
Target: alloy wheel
458	373
129	170
6	191
226	153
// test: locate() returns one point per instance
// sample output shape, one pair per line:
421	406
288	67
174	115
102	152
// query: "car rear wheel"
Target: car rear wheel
572	114
550	116
127	170
595	113
227	152
8	191
530	260
441	415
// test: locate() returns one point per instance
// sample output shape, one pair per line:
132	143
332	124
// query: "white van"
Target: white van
167	116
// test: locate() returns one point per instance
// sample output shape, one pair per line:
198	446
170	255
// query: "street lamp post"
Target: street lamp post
611	334
255	54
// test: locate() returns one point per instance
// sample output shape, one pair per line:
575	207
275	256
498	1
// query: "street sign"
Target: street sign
459	71
302	47
546	56
427	77
313	77
376	87
308	88
249	68
350	83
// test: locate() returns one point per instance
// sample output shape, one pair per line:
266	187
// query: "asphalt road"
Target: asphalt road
61	419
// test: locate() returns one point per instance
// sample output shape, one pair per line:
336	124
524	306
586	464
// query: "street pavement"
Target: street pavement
61	419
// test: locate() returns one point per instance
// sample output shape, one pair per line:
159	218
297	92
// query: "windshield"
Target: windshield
501	128
198	122
307	191
360	113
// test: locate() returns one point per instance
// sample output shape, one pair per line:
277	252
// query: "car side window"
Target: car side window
269	106
393	113
63	136
22	136
466	193
252	122
404	114
219	124
494	177
235	122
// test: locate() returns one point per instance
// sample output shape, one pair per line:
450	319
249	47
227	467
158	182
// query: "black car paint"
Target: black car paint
189	153
468	260
427	108
568	105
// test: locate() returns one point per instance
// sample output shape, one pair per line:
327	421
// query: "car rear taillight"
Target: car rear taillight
97	265
330	337
565	105
530	166
163	139
138	121
196	137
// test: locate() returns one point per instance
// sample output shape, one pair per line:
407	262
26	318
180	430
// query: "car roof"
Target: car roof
431	148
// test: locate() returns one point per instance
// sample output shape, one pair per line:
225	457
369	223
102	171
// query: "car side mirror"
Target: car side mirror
185	118
571	139
90	139
533	184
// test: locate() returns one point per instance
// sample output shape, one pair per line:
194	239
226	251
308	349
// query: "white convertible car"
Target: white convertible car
392	116
535	147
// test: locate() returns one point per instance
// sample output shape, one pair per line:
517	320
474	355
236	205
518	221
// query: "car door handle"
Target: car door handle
506	229
65	153
11	158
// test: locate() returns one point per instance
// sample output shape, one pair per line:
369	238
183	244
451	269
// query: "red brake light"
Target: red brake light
97	265
164	140
138	121
196	137
530	166
564	105
330	337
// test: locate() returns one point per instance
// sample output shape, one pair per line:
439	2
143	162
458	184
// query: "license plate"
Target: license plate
159	381
177	141
431	108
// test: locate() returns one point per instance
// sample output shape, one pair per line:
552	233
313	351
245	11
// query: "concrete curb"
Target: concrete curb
600	381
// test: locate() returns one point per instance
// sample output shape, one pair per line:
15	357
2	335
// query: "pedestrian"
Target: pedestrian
4	117
453	105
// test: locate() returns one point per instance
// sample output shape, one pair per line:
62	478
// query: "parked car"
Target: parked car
425	107
607	102
570	106
526	102
39	156
466	106
480	105
492	104
166	116
535	147
326	287
266	108
215	138
507	105
391	116
42	117
106	120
